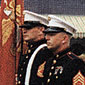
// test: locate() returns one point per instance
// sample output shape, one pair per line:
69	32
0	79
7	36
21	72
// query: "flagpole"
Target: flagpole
15	39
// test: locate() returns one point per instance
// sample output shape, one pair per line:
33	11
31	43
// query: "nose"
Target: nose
47	37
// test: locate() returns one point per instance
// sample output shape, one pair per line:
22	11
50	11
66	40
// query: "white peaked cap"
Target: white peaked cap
55	21
31	16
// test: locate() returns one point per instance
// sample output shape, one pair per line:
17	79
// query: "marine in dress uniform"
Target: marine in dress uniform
31	65
64	68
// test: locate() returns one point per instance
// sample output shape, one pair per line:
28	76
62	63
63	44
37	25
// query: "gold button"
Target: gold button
16	75
52	67
29	51
54	61
24	63
49	18
19	82
21	68
48	80
26	56
50	74
25	42
57	56
56	77
69	53
31	46
16	79
20	75
16	83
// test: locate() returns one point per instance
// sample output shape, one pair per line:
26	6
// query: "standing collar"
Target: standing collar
60	54
36	44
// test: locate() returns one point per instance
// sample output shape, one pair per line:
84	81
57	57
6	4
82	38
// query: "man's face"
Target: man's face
54	40
33	35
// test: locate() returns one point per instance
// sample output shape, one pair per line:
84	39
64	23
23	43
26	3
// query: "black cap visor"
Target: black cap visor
31	24
55	30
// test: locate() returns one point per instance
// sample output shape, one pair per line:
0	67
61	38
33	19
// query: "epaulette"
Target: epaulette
72	55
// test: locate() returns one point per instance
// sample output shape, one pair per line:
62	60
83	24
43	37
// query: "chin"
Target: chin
49	47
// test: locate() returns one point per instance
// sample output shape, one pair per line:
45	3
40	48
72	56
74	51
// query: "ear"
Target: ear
63	41
65	38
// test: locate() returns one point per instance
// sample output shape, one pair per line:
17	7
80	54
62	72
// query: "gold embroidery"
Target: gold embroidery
79	79
12	4
7	27
18	10
40	70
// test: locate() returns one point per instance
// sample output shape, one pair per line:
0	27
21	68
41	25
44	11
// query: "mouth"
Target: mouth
48	43
25	36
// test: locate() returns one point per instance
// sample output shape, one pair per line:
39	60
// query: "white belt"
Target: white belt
29	66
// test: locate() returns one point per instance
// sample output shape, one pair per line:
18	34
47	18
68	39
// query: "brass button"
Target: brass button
52	67
16	75
24	63
56	77
69	53
21	69
31	46
16	83
26	56
50	74
20	75
19	82
29	51
25	42
49	18
54	61
57	56
48	80
16	79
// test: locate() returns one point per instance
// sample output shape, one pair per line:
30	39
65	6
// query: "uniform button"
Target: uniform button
29	51
23	62
56	77
54	61
25	42
26	56
21	69
20	75
16	83
69	53
57	56
48	80
31	46
50	74
49	18
19	82
16	79
16	75
52	67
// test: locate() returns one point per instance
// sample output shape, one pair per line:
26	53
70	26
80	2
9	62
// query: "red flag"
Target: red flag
11	17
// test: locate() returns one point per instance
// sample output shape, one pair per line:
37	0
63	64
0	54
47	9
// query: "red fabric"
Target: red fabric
8	35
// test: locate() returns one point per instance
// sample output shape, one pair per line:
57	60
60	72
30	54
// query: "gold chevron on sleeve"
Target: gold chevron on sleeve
79	79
